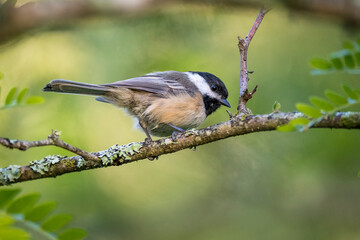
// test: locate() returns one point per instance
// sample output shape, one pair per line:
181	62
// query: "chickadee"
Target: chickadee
163	102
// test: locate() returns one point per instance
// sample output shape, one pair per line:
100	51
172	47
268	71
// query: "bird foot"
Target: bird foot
147	141
153	158
173	135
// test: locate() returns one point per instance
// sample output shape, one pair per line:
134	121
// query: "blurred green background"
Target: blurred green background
267	185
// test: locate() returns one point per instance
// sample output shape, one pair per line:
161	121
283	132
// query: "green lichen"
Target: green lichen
166	141
208	132
81	163
121	153
349	119
42	166
9	174
298	115
70	163
190	132
243	116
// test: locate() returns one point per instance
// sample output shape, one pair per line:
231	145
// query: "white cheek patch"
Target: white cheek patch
202	85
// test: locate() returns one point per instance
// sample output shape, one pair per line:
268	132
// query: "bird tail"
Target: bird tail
65	86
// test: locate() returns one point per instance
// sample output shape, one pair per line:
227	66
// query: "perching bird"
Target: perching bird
163	102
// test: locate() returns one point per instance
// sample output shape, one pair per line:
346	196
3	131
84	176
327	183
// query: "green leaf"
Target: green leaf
357	58
276	106
286	128
21	95
351	93
13	234
72	234
23	203
299	121
1	75
335	98
39	212
56	222
7	194
336	62
348	44
5	220
34	100
10	96
308	110
320	63
322	104
349	61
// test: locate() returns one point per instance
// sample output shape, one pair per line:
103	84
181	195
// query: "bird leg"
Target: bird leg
147	140
178	130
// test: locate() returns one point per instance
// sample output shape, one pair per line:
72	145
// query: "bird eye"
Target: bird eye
214	87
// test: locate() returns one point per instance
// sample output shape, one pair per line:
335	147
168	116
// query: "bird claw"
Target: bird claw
147	141
153	158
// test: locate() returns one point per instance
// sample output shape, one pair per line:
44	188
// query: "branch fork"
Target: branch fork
52	140
243	45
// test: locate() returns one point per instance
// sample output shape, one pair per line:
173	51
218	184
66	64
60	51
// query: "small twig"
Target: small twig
52	140
244	78
230	114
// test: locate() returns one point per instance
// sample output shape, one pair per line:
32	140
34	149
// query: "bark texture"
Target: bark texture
53	166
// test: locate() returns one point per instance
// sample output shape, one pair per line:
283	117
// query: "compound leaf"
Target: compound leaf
21	95
56	222
7	194
308	110
10	97
351	93
320	63
5	220
39	212
286	128
322	104
13	234
34	100
335	97
349	61
72	234
23	203
337	63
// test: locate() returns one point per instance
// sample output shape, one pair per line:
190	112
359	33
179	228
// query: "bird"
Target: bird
164	103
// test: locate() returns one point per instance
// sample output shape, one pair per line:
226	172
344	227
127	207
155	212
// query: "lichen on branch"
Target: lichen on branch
53	166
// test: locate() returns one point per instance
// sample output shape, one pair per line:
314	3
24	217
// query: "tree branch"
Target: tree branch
53	166
15	21
243	45
53	139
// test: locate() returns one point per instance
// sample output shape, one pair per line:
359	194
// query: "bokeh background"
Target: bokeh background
267	185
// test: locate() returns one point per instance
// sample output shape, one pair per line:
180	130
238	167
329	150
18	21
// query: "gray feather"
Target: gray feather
65	86
101	99
161	83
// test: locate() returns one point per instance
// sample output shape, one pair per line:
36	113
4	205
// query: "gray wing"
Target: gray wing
161	83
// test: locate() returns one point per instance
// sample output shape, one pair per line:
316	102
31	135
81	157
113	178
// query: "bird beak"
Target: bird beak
225	103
